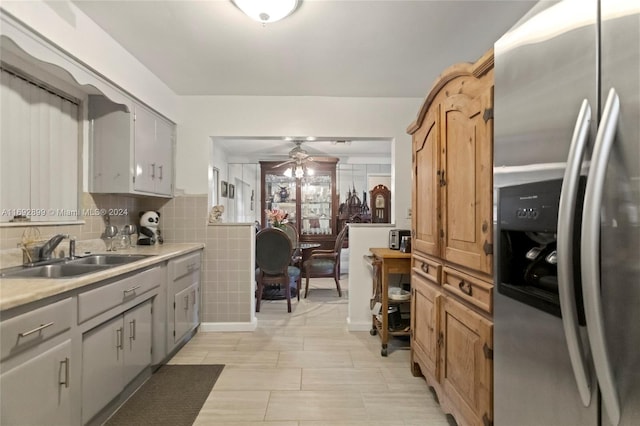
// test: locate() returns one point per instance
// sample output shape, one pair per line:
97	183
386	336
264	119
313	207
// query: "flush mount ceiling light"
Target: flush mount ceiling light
266	11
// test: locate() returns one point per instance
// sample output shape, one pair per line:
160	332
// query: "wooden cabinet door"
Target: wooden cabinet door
137	340
466	370
426	190
425	327
102	361
467	181
37	392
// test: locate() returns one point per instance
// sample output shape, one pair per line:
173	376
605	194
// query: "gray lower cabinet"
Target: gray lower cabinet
113	354
183	297
37	391
186	310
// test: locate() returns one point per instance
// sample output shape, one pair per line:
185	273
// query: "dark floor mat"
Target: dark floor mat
173	396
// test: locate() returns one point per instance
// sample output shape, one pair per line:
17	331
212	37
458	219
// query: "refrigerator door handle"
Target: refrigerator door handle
590	255
566	280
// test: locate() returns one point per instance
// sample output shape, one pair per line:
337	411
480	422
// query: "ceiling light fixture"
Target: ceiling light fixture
299	172
266	11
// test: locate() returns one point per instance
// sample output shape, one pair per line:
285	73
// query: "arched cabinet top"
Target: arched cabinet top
466	69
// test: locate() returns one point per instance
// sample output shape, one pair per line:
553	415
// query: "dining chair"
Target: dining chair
296	255
325	263
273	258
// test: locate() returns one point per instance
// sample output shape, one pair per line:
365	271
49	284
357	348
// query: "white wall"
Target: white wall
64	25
362	237
204	117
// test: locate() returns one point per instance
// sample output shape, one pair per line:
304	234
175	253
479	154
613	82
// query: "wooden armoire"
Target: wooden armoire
452	241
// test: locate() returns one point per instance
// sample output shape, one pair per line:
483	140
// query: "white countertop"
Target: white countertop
15	292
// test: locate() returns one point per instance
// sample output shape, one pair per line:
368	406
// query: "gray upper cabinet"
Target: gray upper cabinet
131	149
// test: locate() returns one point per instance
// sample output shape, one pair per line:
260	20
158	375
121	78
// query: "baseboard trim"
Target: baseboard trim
358	326
229	326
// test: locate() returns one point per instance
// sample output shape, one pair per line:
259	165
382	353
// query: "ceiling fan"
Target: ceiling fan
297	155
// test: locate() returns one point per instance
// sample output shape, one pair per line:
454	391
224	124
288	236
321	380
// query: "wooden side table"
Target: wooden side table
390	262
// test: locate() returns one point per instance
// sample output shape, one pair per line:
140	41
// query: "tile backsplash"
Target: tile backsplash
125	209
227	272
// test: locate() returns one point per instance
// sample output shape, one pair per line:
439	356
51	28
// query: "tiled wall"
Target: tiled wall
227	272
94	225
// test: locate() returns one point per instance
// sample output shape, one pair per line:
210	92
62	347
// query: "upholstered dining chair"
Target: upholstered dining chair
296	256
273	258
325	263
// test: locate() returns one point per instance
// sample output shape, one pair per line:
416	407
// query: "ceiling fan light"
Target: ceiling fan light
266	11
299	172
288	173
310	172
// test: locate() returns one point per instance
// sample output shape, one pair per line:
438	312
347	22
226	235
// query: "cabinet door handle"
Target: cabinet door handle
119	340
186	302
132	329
194	298
153	170
132	289
35	330
65	381
465	287
161	167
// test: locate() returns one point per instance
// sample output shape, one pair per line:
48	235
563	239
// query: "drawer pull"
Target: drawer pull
65	381
465	287
132	289
35	330
425	268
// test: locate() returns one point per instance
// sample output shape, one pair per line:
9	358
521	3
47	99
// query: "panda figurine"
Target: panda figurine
149	232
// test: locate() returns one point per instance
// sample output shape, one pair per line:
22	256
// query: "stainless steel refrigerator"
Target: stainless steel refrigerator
567	216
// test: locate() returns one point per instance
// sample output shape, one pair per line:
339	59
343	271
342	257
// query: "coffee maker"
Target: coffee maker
526	261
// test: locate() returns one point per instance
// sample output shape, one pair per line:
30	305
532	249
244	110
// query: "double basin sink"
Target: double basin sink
66	268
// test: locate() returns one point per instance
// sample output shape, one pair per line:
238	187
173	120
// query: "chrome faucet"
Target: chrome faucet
47	249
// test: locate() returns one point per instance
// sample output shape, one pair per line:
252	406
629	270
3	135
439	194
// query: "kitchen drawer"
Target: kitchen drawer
99	300
475	291
185	265
429	269
34	327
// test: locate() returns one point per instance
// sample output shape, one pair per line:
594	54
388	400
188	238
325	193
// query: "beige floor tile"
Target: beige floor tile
400	379
305	368
263	359
271	343
315	359
312	405
226	406
342	379
372	358
238	378
189	357
355	423
401	405
233	423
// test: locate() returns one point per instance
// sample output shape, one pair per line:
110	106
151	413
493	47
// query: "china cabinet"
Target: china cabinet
311	201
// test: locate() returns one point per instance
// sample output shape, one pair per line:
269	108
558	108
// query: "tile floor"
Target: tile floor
306	369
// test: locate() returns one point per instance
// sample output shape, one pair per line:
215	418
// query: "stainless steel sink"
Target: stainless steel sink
63	270
60	268
107	259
